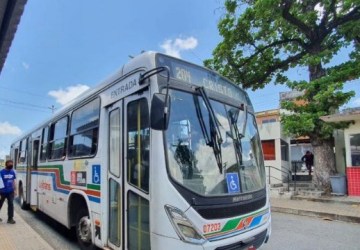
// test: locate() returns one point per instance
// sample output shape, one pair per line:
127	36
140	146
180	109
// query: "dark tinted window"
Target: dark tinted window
57	143
22	156
84	130
44	143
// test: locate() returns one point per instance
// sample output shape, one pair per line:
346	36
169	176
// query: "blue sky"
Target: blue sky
62	48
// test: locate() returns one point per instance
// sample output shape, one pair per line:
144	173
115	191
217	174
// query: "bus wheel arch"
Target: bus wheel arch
79	220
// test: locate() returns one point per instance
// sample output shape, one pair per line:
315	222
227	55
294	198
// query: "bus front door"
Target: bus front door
136	171
128	173
115	176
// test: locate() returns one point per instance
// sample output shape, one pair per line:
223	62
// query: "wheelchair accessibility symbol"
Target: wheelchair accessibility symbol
96	174
232	180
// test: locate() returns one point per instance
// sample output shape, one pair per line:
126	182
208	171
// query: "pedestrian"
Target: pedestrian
9	190
308	158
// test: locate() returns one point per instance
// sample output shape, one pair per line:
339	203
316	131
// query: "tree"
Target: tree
263	39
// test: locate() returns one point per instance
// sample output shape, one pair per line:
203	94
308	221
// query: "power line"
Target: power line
22	107
197	57
23	103
23	91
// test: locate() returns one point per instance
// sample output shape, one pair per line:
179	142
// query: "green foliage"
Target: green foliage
263	39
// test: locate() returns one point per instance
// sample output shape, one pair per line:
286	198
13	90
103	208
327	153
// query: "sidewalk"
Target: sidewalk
19	236
344	208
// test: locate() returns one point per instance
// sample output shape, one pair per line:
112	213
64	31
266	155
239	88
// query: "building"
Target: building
281	151
348	147
275	145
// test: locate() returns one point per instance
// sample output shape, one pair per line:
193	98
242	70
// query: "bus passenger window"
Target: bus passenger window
57	144
22	153
138	134
84	130
44	144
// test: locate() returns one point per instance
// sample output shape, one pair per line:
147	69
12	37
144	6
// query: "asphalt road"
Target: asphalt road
288	232
58	236
304	233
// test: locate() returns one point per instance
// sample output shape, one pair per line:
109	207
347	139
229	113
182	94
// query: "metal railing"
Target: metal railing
295	166
288	173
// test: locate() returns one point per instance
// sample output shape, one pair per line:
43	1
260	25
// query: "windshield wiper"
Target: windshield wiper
216	139
236	135
201	120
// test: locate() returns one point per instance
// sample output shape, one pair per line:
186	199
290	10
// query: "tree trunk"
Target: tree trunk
324	164
324	157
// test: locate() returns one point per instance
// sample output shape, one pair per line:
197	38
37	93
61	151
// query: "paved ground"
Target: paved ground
308	233
335	208
23	237
19	236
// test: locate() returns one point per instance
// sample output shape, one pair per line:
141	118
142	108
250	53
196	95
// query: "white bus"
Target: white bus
164	154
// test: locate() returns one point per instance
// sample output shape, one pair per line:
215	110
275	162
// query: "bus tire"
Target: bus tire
22	202
83	229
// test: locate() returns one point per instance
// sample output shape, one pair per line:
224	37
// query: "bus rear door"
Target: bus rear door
34	177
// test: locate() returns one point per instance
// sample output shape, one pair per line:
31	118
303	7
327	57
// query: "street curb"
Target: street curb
338	217
324	200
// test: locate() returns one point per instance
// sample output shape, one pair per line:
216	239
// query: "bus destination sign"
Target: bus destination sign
201	77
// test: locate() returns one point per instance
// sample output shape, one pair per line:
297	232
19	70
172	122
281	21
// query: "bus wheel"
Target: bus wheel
22	202
83	230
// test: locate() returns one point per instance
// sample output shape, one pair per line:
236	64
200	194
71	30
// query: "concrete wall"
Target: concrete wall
340	160
272	131
269	131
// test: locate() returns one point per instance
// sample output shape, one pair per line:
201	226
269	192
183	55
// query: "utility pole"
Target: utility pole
52	109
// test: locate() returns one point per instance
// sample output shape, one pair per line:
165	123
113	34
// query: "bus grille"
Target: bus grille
256	243
229	210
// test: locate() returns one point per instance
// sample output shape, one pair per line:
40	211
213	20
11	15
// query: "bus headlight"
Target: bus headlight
183	226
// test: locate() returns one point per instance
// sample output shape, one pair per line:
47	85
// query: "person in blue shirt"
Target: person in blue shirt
8	192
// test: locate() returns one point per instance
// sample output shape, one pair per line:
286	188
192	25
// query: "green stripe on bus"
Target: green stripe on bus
232	224
94	187
61	172
63	181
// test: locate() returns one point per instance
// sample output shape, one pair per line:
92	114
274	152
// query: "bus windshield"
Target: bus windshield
192	159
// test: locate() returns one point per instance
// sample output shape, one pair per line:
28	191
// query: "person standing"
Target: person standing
308	158
8	192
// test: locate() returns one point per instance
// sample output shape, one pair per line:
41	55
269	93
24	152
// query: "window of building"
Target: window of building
44	144
355	149
268	147
57	143
85	130
284	151
271	120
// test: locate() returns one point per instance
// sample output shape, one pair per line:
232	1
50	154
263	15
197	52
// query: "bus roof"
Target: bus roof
143	61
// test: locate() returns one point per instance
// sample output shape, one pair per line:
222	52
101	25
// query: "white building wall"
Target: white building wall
353	129
269	131
272	131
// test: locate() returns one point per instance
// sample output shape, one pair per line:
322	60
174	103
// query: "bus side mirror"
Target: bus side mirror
160	111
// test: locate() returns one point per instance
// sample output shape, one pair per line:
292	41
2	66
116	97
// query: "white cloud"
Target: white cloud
64	96
25	65
174	47
7	129
320	10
